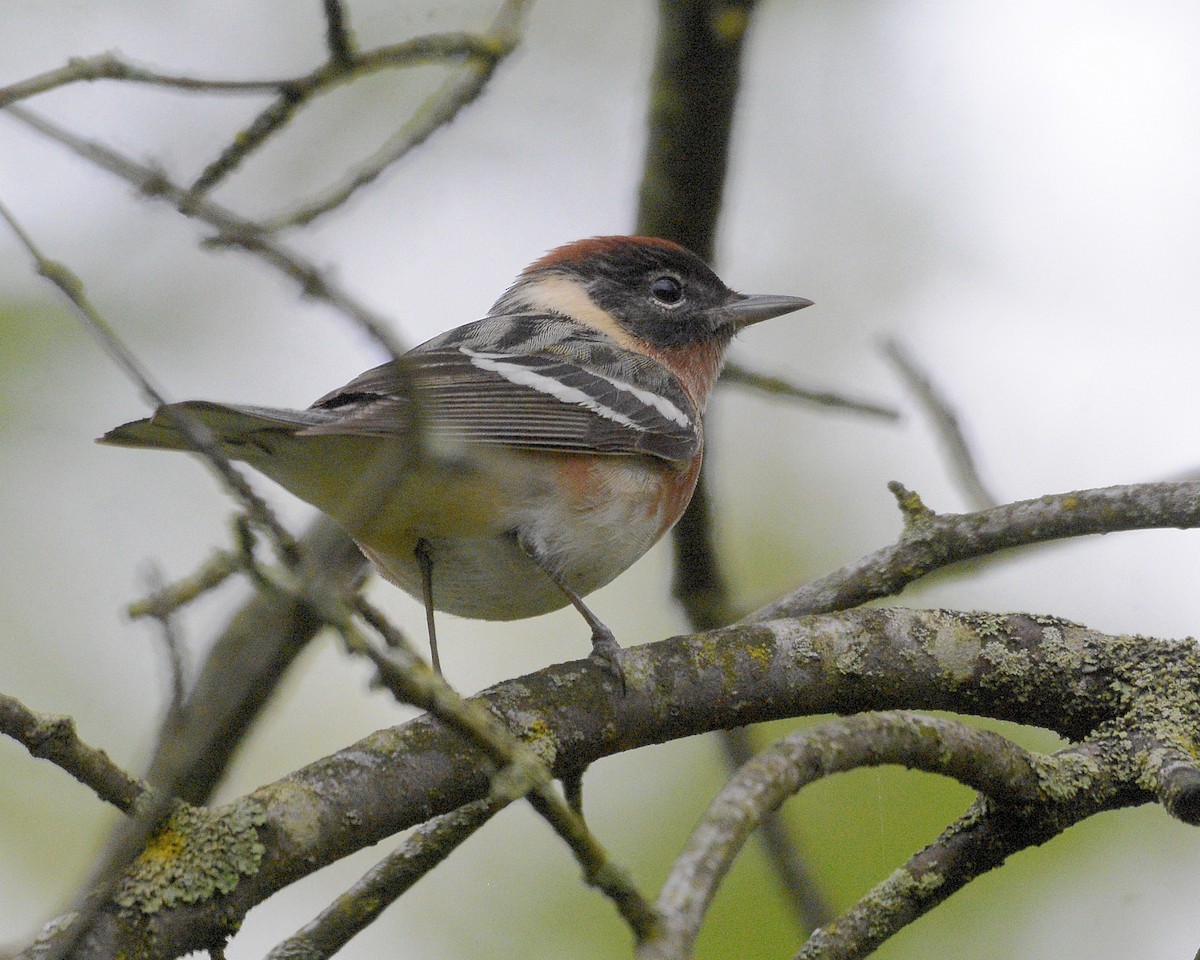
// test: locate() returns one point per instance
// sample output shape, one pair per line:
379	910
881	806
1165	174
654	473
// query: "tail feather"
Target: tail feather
332	471
233	426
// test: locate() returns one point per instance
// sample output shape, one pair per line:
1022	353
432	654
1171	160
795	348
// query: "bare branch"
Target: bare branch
485	53
977	758
945	421
1035	670
110	66
520	772
981	840
232	229
942	540
168	598
387	881
804	894
337	33
54	738
175	654
198	436
780	387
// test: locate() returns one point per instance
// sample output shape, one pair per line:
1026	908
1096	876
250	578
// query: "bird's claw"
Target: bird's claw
606	654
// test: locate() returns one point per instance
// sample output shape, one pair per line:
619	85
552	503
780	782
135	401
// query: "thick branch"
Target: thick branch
1033	670
977	758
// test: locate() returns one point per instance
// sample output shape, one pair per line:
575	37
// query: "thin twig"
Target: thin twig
945	422
199	438
780	387
337	33
944	539
433	48
232	229
166	599
110	66
54	738
175	653
462	88
384	883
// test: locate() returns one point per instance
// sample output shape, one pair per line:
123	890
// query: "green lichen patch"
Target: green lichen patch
197	854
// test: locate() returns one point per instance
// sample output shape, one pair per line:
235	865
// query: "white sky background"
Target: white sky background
1009	188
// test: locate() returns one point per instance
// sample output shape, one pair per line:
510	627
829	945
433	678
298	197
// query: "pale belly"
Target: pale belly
481	568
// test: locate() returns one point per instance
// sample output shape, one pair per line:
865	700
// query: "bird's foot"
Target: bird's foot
606	654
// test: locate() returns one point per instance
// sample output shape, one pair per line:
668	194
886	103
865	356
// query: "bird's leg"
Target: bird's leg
424	555
605	649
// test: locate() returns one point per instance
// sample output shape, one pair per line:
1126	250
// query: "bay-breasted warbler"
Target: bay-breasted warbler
514	464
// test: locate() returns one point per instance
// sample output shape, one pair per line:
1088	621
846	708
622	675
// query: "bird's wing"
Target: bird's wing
551	384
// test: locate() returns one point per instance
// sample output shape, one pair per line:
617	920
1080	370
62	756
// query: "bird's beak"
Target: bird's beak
747	308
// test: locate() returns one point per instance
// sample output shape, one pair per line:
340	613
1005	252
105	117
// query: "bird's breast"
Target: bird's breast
589	517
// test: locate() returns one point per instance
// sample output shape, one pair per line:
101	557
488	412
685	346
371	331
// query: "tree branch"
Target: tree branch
54	738
232	228
985	761
945	421
483	55
780	387
1042	671
937	541
383	884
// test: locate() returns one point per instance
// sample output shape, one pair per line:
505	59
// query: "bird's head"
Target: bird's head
649	295
641	287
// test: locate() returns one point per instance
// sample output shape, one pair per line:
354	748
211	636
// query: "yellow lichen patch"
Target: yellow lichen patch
761	654
537	733
164	845
198	854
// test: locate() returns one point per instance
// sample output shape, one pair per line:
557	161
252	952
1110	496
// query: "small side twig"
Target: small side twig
232	229
54	738
166	599
337	33
110	66
780	387
484	54
175	655
945	421
520	772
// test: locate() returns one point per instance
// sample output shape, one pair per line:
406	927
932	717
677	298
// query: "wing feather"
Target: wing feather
571	389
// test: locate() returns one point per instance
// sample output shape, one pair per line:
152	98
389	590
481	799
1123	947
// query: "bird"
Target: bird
511	466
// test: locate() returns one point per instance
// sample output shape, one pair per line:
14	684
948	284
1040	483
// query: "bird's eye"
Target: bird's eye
667	290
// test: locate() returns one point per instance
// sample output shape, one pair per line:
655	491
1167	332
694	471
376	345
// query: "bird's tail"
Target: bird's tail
343	474
240	431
